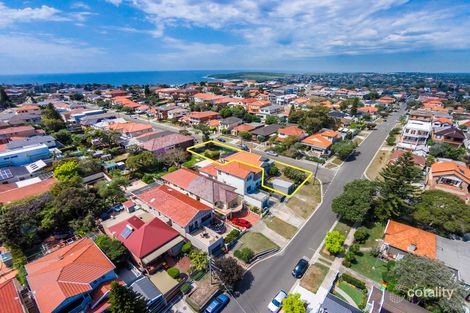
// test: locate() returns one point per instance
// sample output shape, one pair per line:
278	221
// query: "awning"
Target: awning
155	254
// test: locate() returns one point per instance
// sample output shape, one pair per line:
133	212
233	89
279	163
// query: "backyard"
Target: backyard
257	242
355	293
314	277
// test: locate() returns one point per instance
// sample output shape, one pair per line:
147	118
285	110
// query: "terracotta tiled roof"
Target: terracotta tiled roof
404	237
177	206
207	96
451	168
17	129
9	298
209	169
368	109
66	272
418	160
164	142
16	194
247	157
237	169
443	120
145	237
317	140
330	133
129	127
205	114
291	131
27	107
214	123
201	186
244	127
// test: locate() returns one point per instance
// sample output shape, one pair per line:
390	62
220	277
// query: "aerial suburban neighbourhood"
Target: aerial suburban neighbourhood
221	156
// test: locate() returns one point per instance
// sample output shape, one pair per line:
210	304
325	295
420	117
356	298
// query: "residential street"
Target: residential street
267	277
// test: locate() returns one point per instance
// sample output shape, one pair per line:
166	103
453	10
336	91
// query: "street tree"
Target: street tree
356	200
343	148
293	304
66	170
125	300
397	187
334	242
414	273
229	271
443	211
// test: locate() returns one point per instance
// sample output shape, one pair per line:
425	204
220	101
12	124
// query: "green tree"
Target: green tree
50	112
296	175
4	99
443	211
112	192
273	170
356	200
125	300
354	106
199	260
334	242
53	125
343	148
416	272
229	271
142	162
444	150
174	157
272	119
113	248
63	136
293	304
66	170
245	135
397	187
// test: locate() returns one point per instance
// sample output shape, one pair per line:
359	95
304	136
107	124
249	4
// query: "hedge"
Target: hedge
173	272
232	235
186	247
185	287
353	281
244	254
198	275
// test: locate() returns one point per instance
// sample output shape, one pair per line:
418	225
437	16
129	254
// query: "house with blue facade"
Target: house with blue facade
66	279
23	156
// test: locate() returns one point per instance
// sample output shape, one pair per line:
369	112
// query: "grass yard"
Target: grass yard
355	293
379	162
337	161
369	266
191	162
305	201
257	242
314	277
284	229
376	231
337	295
358	140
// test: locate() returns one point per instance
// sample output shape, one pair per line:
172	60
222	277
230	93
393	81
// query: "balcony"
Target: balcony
205	239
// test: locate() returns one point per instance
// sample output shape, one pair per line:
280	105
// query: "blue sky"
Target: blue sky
61	36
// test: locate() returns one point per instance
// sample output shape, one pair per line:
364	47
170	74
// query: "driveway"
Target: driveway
266	278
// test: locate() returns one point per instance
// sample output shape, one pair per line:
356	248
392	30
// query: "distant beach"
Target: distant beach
115	78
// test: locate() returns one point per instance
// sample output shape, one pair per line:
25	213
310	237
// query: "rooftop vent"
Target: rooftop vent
412	247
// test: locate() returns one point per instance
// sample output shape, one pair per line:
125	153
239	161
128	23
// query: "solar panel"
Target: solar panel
126	232
5	173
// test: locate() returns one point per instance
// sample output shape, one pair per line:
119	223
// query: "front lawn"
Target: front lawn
376	231
355	293
370	266
314	277
257	242
284	229
305	201
379	162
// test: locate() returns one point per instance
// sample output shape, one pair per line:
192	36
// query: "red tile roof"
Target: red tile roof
17	129
207	96
177	206
368	109
418	160
9	298
451	168
145	237
205	114
16	194
129	127
164	142
244	127
237	169
317	140
246	157
292	131
402	236
66	272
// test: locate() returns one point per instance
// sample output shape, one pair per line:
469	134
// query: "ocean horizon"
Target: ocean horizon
114	78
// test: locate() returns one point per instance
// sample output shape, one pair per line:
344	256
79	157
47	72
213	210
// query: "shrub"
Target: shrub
148	178
315	159
361	234
232	235
173	272
334	242
295	174
273	170
186	247
185	287
353	281
172	169
354	249
198	275
214	155
391	140
244	254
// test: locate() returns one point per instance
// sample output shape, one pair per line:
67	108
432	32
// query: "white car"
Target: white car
276	303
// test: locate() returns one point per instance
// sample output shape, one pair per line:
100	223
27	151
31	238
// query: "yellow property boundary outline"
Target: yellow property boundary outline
310	173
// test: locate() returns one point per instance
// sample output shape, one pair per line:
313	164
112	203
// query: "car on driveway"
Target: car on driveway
217	304
276	303
241	222
244	147
221	139
272	153
300	268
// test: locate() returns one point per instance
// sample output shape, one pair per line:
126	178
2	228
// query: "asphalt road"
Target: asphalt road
266	278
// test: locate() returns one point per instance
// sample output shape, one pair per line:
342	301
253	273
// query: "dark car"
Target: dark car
217	304
300	268
244	147
221	139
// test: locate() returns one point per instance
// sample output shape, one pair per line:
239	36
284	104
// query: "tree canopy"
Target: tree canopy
113	248
343	148
230	271
125	300
66	170
443	211
334	242
293	304
356	200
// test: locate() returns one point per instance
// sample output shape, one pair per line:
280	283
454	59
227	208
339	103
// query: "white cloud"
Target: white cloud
306	28
115	2
80	5
9	16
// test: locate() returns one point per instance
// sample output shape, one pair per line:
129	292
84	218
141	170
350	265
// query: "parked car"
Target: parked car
217	304
300	268
276	303
244	147
241	222
271	152
221	139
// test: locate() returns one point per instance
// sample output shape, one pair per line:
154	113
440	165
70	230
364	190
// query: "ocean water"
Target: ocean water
114	78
